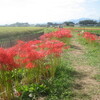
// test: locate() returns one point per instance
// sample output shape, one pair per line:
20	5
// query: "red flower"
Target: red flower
30	65
89	36
7	61
61	33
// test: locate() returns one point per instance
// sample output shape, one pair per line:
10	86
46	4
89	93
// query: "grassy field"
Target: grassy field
9	32
93	30
14	30
49	29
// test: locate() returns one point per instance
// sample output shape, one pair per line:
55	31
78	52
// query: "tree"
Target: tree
69	23
87	22
18	24
49	24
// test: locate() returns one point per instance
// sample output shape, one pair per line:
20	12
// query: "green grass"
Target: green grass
61	87
14	32
97	77
97	32
92	55
94	30
49	29
93	52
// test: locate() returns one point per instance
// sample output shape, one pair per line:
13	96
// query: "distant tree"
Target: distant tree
87	22
18	24
49	24
69	23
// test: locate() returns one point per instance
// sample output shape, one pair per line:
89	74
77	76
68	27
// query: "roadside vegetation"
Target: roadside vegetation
93	52
64	64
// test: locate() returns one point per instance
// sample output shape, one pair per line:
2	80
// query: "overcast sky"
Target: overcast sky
40	11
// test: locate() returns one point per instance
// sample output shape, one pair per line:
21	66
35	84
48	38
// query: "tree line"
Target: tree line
51	24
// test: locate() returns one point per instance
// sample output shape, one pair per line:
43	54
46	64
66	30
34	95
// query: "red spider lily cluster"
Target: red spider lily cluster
7	59
27	52
89	36
61	33
39	58
32	51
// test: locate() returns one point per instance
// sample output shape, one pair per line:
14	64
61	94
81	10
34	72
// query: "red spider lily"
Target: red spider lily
30	45
38	50
31	55
33	50
89	36
7	61
30	65
52	44
29	52
52	47
47	36
61	33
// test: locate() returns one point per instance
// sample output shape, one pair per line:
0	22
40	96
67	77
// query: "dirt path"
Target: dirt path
86	87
